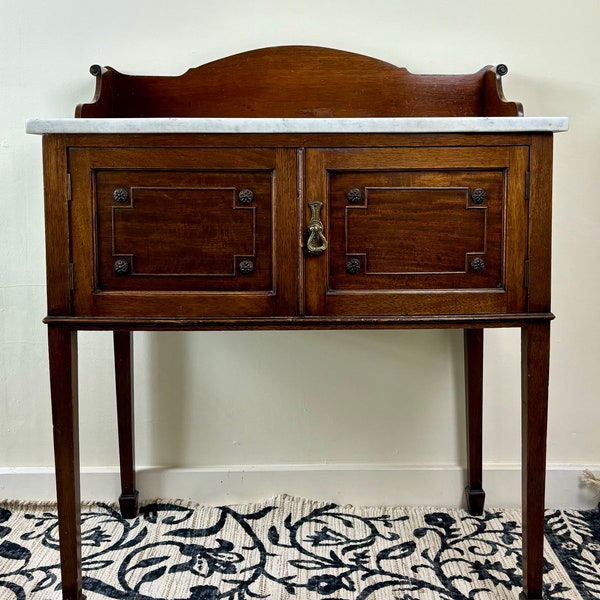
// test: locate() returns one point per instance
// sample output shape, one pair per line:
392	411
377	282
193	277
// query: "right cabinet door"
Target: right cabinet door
435	230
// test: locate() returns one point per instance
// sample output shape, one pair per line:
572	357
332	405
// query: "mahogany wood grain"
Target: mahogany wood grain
269	82
425	188
535	356
295	140
494	102
185	230
123	350
540	224
56	209
176	197
515	243
306	322
473	346
62	349
415	229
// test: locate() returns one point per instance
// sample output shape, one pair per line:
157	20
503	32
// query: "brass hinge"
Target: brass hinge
68	187
71	276
526	274
527	185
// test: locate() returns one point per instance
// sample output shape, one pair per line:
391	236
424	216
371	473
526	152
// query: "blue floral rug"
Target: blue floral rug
290	548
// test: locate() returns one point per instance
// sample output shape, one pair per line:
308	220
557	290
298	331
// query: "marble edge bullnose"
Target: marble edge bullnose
298	125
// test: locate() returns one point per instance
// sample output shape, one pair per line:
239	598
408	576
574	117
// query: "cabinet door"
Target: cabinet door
418	230
182	231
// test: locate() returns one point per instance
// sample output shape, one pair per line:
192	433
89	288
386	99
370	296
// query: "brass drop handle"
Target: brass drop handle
316	243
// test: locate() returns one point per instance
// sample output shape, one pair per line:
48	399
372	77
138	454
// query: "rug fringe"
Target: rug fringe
279	500
14	504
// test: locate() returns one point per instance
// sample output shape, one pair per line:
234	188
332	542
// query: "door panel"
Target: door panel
185	230
418	230
193	226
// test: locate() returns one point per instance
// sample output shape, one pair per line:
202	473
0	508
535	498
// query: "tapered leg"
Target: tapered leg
62	346
474	493
123	346
535	353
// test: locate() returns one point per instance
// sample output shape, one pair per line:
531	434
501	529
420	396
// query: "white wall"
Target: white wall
241	410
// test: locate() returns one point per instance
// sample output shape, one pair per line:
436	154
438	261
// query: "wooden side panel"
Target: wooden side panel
56	208
540	223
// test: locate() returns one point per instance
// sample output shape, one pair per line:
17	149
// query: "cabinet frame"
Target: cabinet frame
133	117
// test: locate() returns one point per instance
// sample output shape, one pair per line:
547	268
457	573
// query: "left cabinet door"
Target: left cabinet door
183	232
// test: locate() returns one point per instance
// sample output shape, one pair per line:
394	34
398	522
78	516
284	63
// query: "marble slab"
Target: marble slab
299	125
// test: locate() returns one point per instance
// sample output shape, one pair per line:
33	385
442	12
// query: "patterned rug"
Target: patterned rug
290	548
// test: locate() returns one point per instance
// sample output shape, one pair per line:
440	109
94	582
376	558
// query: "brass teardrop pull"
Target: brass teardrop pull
316	243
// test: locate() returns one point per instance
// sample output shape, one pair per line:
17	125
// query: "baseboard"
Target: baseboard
347	484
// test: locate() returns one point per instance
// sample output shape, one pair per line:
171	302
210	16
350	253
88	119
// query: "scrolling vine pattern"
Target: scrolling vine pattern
278	550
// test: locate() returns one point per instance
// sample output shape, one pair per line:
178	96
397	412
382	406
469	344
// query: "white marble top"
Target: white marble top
300	125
